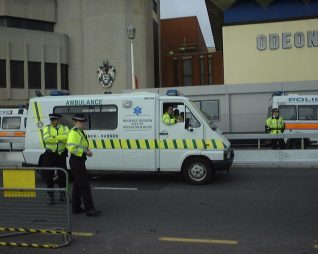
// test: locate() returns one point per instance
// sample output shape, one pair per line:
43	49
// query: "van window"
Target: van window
288	112
210	108
308	112
103	117
193	121
11	123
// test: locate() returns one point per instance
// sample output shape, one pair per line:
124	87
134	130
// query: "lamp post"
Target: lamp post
131	31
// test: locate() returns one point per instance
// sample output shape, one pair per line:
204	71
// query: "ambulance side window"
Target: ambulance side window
104	118
193	121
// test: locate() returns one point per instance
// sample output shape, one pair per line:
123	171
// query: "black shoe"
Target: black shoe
77	211
92	212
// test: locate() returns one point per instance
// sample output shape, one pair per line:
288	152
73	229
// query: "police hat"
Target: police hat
54	116
275	110
79	117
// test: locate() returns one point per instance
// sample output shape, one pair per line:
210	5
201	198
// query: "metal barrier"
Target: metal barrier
28	215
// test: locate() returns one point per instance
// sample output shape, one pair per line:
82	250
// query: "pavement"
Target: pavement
249	210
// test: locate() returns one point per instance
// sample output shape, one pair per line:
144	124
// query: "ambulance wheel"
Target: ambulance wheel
197	170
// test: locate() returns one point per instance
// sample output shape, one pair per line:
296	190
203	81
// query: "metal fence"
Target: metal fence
28	215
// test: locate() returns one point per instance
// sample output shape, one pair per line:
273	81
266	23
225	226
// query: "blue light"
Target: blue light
173	92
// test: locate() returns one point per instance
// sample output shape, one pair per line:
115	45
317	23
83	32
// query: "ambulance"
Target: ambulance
300	113
126	133
12	127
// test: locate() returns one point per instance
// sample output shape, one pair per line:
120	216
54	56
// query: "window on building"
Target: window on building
11	123
50	75
288	112
156	52
202	70
210	108
210	71
17	74
187	72
64	76
307	112
104	117
34	71
26	24
3	74
175	72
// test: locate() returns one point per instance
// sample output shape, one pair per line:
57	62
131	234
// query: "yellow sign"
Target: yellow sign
19	179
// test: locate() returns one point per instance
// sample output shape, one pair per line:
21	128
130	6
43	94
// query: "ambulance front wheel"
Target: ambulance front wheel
197	170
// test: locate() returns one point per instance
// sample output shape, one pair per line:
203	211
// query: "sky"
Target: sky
183	8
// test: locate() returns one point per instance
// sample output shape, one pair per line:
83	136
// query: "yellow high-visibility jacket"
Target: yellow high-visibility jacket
168	120
77	143
276	126
55	137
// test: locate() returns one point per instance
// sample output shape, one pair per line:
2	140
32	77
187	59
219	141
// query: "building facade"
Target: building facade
266	41
61	45
185	59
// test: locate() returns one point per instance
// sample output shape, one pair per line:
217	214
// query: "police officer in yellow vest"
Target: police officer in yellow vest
275	125
77	144
168	117
55	136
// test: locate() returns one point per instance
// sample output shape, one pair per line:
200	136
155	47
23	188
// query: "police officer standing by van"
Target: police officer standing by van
55	137
275	125
77	144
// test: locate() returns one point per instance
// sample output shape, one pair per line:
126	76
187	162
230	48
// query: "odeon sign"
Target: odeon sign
287	40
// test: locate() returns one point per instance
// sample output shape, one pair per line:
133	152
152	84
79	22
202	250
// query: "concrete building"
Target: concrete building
60	44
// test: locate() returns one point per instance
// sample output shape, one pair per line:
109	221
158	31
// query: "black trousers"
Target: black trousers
81	188
278	143
52	160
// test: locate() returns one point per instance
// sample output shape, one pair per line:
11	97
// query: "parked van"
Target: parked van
300	113
12	127
126	132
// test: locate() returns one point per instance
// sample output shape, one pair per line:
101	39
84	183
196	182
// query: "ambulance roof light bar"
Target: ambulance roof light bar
278	93
173	92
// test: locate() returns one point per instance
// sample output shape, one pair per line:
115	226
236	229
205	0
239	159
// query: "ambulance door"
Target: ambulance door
175	141
137	135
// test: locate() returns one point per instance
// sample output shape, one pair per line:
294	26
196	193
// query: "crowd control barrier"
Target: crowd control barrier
29	217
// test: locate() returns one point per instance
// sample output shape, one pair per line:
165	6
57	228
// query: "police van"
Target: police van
126	132
300	113
12	127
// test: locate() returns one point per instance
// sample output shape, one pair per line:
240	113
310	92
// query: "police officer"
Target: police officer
275	125
77	144
55	136
168	117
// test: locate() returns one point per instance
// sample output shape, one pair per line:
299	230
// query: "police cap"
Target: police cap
54	116
79	117
275	110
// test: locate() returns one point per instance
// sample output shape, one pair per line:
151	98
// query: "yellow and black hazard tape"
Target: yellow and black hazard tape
151	144
32	245
31	230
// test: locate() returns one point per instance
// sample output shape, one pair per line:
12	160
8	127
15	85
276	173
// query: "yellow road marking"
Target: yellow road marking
316	246
191	240
82	234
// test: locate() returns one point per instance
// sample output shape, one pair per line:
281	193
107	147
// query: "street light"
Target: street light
131	31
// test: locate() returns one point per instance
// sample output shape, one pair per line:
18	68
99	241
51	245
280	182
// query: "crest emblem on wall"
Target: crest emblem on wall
106	74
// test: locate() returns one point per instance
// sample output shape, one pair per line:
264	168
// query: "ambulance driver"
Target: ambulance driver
168	117
77	145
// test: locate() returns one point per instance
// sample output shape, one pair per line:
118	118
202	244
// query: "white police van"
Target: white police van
126	132
12	127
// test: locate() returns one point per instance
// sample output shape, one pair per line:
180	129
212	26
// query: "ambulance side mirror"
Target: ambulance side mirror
187	125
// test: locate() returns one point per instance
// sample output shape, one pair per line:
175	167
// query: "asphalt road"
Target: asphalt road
245	211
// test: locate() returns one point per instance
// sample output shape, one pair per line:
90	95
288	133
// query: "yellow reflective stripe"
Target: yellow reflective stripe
161	144
133	144
152	143
108	145
124	144
116	143
199	143
180	144
90	143
170	143
209	145
143	144
189	144
219	144
99	144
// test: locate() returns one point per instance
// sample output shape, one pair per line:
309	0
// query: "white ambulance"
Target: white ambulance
300	113
126	132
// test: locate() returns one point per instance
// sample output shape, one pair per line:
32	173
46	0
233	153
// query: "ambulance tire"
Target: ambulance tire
197	170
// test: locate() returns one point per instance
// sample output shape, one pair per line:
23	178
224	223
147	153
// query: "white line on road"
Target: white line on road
115	188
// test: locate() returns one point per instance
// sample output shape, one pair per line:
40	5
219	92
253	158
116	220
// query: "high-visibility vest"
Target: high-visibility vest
55	137
167	119
276	125
77	143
